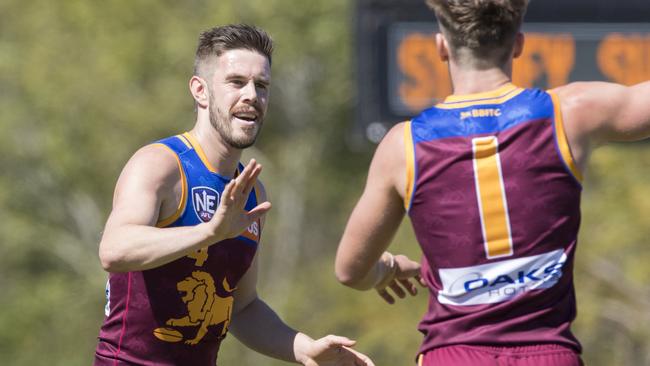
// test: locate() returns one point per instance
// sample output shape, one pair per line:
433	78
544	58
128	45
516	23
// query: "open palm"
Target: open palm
231	217
334	351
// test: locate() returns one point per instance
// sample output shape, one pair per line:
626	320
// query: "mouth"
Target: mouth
247	116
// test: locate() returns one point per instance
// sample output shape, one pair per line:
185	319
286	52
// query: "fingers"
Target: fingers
407	267
410	287
228	191
334	350
360	359
249	176
243	180
243	184
386	296
337	341
259	211
398	287
421	281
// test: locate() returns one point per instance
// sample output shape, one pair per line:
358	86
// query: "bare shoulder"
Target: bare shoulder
388	167
153	163
605	111
585	94
395	136
152	170
391	147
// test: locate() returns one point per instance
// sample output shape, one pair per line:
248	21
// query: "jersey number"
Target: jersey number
491	196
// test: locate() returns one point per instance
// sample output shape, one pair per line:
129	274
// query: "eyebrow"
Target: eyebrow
232	76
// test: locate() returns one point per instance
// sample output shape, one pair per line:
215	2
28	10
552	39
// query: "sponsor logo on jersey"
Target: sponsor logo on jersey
481	112
252	232
205	201
500	281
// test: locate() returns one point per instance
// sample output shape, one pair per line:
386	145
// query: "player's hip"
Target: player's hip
533	355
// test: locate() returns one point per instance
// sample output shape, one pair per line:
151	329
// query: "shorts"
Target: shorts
466	355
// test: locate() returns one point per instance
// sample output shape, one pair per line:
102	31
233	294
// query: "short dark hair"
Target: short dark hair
487	28
217	40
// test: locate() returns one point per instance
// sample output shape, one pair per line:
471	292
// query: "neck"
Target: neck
466	80
223	157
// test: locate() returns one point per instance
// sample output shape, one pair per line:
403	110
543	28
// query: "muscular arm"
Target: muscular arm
598	112
377	215
148	184
251	315
258	327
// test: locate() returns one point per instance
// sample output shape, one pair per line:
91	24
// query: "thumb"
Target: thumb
259	211
407	266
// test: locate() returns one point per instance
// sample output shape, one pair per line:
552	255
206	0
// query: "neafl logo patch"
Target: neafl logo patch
205	200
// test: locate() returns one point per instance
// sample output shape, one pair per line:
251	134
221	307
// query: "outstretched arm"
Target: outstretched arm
360	260
598	112
149	185
257	326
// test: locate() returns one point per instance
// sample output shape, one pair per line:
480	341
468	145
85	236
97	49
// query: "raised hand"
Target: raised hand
334	351
402	271
231	217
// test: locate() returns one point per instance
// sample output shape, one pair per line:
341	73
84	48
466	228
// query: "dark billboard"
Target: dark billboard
399	72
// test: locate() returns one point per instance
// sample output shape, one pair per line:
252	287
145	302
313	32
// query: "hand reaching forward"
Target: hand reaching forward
231	217
334	351
398	279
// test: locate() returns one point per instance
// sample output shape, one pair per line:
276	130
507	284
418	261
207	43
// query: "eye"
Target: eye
262	86
237	82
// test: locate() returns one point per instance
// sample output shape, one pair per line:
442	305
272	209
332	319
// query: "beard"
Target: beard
221	121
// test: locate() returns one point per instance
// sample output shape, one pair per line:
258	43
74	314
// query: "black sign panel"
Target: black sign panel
399	72
554	54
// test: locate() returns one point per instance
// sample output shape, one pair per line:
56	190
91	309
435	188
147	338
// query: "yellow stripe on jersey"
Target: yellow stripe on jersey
562	141
490	192
184	140
181	205
410	165
496	96
199	151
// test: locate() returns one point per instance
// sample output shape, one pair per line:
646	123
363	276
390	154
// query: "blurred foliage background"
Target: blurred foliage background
83	84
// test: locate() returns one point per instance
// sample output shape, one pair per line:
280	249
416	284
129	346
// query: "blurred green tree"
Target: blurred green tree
84	84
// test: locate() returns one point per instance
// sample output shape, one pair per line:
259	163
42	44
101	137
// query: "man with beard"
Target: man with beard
181	241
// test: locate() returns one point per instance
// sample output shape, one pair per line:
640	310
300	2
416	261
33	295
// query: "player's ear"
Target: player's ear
200	92
442	47
519	45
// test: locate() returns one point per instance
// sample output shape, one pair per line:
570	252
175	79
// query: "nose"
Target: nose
249	92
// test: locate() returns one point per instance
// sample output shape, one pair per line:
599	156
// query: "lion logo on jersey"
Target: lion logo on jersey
204	307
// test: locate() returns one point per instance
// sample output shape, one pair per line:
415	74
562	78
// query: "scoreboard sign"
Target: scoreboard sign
554	54
399	72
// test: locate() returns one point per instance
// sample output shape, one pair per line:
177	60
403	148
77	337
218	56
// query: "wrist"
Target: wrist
210	233
385	270
301	345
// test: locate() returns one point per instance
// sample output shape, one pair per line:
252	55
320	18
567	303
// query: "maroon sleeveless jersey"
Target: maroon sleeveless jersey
493	195
178	313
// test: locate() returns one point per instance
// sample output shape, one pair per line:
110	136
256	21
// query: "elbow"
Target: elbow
347	277
110	260
344	278
352	272
108	263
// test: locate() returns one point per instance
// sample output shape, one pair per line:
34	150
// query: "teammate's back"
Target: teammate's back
485	169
